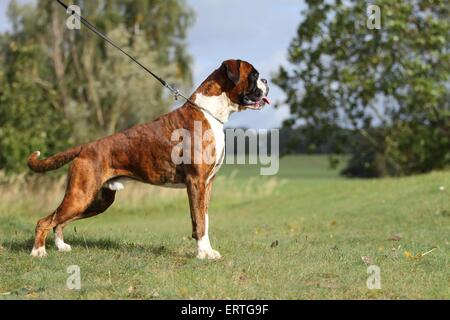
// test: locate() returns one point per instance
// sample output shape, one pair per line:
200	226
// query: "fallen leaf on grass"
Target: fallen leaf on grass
418	256
333	223
367	259
243	277
410	255
395	237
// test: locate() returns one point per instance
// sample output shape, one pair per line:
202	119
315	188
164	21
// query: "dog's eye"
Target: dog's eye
254	76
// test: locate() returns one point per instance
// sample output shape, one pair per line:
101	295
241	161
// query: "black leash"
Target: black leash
174	90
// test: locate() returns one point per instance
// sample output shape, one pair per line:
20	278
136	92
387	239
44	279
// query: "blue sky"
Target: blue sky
258	31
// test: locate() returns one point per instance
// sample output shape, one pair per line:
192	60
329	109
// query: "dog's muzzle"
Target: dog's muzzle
258	98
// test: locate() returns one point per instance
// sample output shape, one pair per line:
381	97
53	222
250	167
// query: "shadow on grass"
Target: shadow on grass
97	244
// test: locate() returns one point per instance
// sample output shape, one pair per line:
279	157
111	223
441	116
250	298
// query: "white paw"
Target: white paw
39	252
62	247
208	254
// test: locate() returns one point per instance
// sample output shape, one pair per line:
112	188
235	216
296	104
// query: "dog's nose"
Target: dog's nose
266	83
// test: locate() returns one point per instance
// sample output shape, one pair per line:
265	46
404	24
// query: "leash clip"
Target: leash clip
176	94
175	91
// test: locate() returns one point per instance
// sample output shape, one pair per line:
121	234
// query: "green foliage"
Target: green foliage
62	87
28	120
344	75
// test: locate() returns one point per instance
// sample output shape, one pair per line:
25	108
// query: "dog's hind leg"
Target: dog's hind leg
102	202
80	193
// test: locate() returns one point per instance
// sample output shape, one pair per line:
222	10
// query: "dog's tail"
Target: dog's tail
52	163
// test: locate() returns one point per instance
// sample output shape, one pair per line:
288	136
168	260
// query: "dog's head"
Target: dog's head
235	86
244	85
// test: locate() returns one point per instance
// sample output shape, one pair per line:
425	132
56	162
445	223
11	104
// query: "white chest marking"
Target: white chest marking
219	107
219	138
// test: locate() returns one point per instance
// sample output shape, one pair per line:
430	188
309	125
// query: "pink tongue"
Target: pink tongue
267	100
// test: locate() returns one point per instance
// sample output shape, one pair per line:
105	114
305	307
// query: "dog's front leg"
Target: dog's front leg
199	194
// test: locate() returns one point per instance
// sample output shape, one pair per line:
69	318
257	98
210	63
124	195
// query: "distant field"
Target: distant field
300	235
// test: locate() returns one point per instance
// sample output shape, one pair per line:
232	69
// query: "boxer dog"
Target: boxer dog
146	152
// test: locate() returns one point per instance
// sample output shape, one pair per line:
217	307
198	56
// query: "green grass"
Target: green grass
324	224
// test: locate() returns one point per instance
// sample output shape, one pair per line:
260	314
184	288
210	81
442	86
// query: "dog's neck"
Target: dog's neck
211	97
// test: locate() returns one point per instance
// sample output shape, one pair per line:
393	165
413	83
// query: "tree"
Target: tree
394	79
83	83
28	119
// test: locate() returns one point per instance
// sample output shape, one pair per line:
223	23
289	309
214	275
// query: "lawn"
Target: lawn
304	234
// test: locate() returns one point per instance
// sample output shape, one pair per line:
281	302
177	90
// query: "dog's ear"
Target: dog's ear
232	69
